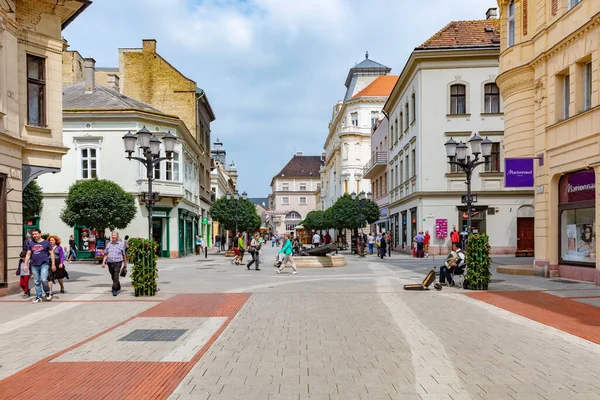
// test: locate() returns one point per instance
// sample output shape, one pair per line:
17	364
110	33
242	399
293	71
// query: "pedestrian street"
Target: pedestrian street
220	331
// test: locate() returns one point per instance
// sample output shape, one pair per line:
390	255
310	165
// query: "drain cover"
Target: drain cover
205	260
153	335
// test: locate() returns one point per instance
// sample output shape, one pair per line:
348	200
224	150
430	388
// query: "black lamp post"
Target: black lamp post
236	197
457	155
150	146
361	203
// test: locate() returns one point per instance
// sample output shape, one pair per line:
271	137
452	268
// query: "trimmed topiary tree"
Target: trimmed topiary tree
478	262
141	255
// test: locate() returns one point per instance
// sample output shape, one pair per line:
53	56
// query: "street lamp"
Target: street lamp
235	197
457	155
150	146
362	198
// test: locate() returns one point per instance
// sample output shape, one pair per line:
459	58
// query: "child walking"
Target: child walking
24	275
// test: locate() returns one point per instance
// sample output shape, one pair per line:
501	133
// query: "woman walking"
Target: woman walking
254	250
72	249
57	271
287	251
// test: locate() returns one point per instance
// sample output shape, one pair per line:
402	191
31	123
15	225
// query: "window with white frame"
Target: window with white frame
89	162
285	186
566	95
172	168
407	116
303	200
413	155
510	21
285	201
492	99
573	3
374	117
458	99
414	107
302	187
494	164
587	86
354	118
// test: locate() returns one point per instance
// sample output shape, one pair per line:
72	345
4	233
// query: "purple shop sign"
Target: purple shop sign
518	172
578	186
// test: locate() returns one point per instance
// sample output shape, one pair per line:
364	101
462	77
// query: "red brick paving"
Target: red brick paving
122	380
562	313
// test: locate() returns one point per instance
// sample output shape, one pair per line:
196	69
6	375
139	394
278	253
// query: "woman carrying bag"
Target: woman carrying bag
254	249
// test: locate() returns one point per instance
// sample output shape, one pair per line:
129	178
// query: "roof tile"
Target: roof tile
302	166
380	87
465	34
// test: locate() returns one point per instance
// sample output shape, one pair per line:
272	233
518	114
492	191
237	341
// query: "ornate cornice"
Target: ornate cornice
516	80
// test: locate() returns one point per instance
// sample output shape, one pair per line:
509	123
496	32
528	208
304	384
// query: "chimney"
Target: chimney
299	153
113	82
89	73
492	13
323	156
149	45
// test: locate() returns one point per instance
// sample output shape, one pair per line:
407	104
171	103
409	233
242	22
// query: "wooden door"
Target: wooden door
525	234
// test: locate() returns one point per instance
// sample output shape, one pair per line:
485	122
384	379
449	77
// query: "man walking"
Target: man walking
371	242
41	255
316	239
419	240
115	256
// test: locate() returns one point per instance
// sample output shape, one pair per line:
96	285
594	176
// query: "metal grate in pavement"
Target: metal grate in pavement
153	335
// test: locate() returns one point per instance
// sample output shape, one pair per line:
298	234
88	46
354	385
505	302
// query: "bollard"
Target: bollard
205	251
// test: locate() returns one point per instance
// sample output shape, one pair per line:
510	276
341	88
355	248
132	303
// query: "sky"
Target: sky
272	69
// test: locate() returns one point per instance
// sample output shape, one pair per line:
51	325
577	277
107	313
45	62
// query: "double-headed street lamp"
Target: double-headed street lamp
362	198
236	197
457	155
150	146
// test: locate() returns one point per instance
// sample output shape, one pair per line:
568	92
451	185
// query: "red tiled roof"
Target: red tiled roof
466	34
380	87
302	166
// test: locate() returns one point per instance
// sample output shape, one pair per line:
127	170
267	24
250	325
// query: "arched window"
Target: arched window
492	99
292	219
458	99
510	21
293	215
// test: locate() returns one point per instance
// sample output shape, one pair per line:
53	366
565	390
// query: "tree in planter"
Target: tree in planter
345	213
98	204
478	262
141	254
32	201
316	220
223	211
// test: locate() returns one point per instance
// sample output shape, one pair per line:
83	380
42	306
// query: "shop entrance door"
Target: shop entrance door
157	233
3	231
525	229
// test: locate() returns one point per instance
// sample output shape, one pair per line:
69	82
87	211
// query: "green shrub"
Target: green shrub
141	255
478	262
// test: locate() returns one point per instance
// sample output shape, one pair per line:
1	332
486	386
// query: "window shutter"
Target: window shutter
554	7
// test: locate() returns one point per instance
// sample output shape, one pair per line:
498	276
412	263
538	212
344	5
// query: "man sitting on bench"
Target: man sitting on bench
455	259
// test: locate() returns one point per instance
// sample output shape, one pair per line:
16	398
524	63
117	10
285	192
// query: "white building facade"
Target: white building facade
447	90
376	170
348	143
94	123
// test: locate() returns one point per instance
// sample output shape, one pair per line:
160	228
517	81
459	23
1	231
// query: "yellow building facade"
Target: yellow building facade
549	78
30	110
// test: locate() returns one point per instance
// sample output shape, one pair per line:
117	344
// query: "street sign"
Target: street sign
159	214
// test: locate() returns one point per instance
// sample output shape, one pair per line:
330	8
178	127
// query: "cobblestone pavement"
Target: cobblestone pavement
340	333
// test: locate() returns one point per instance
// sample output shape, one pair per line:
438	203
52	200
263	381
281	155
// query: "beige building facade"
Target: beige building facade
549	79
30	110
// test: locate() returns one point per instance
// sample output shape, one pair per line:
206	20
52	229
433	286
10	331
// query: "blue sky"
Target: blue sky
272	69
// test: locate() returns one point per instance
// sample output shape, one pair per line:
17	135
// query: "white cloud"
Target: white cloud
272	69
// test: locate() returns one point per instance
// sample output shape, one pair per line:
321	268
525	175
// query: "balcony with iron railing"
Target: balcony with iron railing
376	165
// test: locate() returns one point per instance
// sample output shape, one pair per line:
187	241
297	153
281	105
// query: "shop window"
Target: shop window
510	21
492	99
89	163
36	90
458	99
578	217
494	164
